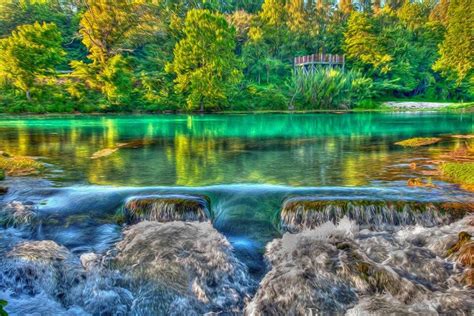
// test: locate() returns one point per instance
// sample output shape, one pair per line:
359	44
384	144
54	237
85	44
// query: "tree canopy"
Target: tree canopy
205	63
31	52
147	55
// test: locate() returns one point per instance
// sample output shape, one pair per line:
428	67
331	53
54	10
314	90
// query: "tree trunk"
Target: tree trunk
201	106
28	95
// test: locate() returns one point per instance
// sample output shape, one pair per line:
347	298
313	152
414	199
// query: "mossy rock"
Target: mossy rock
2	174
418	141
461	173
299	213
166	208
20	166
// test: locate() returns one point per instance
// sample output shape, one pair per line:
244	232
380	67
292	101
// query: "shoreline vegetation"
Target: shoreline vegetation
219	56
382	107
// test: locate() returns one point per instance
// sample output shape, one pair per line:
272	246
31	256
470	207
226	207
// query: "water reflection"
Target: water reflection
299	150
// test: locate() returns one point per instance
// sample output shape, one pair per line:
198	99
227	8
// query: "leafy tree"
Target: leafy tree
456	59
14	13
346	6
3	303
363	47
440	12
111	27
110	30
205	63
241	21
273	12
139	53
30	52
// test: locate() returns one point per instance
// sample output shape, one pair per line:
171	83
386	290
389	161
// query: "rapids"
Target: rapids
66	251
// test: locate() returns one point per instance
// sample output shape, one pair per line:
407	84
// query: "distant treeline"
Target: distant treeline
155	55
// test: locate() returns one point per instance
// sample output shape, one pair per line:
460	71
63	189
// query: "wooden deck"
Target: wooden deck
309	62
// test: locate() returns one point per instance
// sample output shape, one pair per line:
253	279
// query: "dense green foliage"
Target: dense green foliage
207	75
31	53
148	55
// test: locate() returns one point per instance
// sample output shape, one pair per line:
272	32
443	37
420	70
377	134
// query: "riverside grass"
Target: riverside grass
461	173
20	166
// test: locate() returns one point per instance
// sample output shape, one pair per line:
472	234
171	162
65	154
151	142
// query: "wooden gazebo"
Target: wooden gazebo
309	62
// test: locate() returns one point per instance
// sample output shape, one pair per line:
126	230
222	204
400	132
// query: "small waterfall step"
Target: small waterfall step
166	208
299	213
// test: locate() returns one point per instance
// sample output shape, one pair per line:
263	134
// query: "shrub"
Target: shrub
330	89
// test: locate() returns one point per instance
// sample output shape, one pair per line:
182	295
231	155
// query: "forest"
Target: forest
217	55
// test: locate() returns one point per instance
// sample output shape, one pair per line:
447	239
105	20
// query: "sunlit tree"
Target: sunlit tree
205	63
457	50
30	52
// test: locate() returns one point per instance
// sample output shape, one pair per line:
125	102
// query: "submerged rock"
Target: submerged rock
103	153
418	141
461	173
307	213
20	166
89	260
167	208
338	269
190	264
466	255
17	213
35	267
463	238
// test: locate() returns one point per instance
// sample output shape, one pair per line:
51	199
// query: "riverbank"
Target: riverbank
427	106
377	106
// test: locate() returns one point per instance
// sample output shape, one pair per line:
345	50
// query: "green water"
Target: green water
193	150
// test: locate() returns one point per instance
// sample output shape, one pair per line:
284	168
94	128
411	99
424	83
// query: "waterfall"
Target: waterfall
167	208
307	213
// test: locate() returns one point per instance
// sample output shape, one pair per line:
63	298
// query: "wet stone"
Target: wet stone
17	213
339	269
189	265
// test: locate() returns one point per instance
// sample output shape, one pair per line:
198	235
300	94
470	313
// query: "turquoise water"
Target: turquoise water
192	150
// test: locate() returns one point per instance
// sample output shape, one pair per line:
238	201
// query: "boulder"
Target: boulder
190	264
339	269
43	251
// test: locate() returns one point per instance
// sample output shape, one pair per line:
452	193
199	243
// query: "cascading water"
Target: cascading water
67	251
308	213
